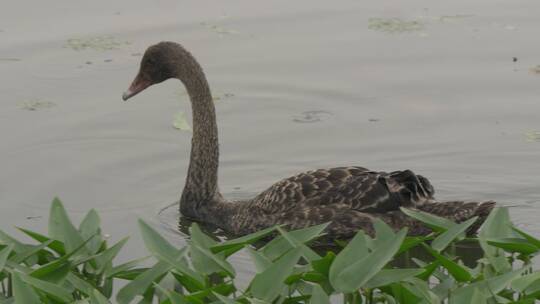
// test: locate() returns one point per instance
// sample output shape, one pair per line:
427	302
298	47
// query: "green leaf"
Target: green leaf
460	273
261	262
174	297
61	228
434	222
141	283
389	276
54	272
90	228
55	291
23	292
268	284
534	241
411	242
457	230
164	251
382	232
19	248
55	245
307	253
354	251
199	238
240	242
488	288
98	298
318	296
514	245
497	225
29	252
111	272
79	283
362	270
4	254
104	259
206	262
279	245
323	265
520	284
224	299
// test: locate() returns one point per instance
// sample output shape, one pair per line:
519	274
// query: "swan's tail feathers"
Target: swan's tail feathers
459	211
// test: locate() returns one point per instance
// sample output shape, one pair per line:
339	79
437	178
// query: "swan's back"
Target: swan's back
358	188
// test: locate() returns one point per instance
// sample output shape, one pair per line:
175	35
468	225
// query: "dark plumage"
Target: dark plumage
349	198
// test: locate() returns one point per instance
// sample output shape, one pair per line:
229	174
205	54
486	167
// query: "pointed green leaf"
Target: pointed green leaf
389	276
98	298
276	274
261	262
514	245
55	291
457	230
206	262
23	292
354	251
434	222
61	228
279	245
318	296
362	270
90	228
142	282
460	273
242	241
199	238
4	254
55	245
534	241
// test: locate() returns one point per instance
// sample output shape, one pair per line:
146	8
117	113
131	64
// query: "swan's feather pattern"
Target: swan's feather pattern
349	198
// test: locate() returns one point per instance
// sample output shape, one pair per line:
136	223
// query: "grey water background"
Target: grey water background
431	87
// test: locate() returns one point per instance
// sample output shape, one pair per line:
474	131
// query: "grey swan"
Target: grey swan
348	198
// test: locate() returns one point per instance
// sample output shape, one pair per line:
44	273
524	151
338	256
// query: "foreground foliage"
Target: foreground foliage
74	265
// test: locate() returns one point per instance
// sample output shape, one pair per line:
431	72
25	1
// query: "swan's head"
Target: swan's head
159	63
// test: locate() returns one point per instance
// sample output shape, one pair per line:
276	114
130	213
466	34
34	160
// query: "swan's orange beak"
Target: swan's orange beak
138	85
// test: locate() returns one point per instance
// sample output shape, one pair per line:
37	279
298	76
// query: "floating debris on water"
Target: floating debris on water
97	43
88	62
34	217
394	25
218	29
374	120
454	18
136	54
514	59
312	116
532	136
222	96
34	105
10	59
180	122
107	60
535	69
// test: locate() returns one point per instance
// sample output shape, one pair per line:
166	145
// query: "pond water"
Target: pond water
447	90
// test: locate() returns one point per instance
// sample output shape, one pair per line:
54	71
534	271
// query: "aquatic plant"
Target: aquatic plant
394	25
75	265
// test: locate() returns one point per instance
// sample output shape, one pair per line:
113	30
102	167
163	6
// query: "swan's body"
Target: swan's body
350	198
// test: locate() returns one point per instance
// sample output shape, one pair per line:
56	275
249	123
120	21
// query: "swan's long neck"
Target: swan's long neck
201	189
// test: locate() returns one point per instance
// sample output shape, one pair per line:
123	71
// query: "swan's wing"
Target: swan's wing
356	187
